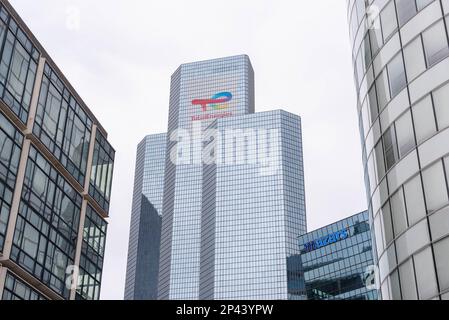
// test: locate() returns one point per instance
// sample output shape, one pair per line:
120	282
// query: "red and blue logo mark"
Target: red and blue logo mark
218	101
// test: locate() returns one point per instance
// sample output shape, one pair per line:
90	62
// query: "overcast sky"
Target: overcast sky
119	55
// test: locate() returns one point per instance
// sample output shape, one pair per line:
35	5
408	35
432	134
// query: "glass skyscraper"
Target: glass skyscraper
234	199
253	206
195	87
56	170
146	220
336	262
401	59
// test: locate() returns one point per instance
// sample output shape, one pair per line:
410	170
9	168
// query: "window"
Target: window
372	101
442	263
424	117
425	275
380	161
47	224
102	169
398	212
18	65
406	10
383	92
15	289
404	133
435	44
414	57
390	148
441	102
407	275
62	125
396	74
435	187
422	4
414	198
388	224
388	20
10	149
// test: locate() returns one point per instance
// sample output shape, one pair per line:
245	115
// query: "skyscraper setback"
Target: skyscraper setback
233	199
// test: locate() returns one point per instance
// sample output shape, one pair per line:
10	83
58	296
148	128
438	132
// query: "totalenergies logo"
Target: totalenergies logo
218	101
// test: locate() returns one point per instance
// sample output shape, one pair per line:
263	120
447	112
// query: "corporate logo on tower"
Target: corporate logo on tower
219	101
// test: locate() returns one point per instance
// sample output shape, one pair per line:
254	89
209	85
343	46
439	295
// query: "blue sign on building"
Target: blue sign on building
327	240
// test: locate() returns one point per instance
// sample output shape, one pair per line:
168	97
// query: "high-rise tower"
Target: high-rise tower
401	59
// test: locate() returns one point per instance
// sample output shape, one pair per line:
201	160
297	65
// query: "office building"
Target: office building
401	59
253	206
336	262
56	170
200	93
146	220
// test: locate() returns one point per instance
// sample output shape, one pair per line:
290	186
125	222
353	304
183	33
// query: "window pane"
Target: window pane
383	92
388	19
435	44
424	117
407	274
412	241
435	187
380	161
372	100
414	57
441	101
425	275
406	10
422	3
442	263
388	224
390	148
414	198
404	133
396	73
398	212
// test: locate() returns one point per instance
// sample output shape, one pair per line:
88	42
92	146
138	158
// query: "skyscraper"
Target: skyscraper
336	261
146	220
200	92
232	210
55	175
401	62
253	207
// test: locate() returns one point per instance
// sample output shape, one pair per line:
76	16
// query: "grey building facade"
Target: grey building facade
253	206
146	220
336	261
56	169
401	60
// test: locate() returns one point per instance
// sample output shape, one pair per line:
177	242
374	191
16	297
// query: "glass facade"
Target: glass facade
92	256
146	220
253	207
18	66
401	58
102	170
16	289
200	93
10	148
336	262
49	225
62	125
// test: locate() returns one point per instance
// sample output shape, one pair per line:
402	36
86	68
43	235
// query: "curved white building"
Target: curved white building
401	60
